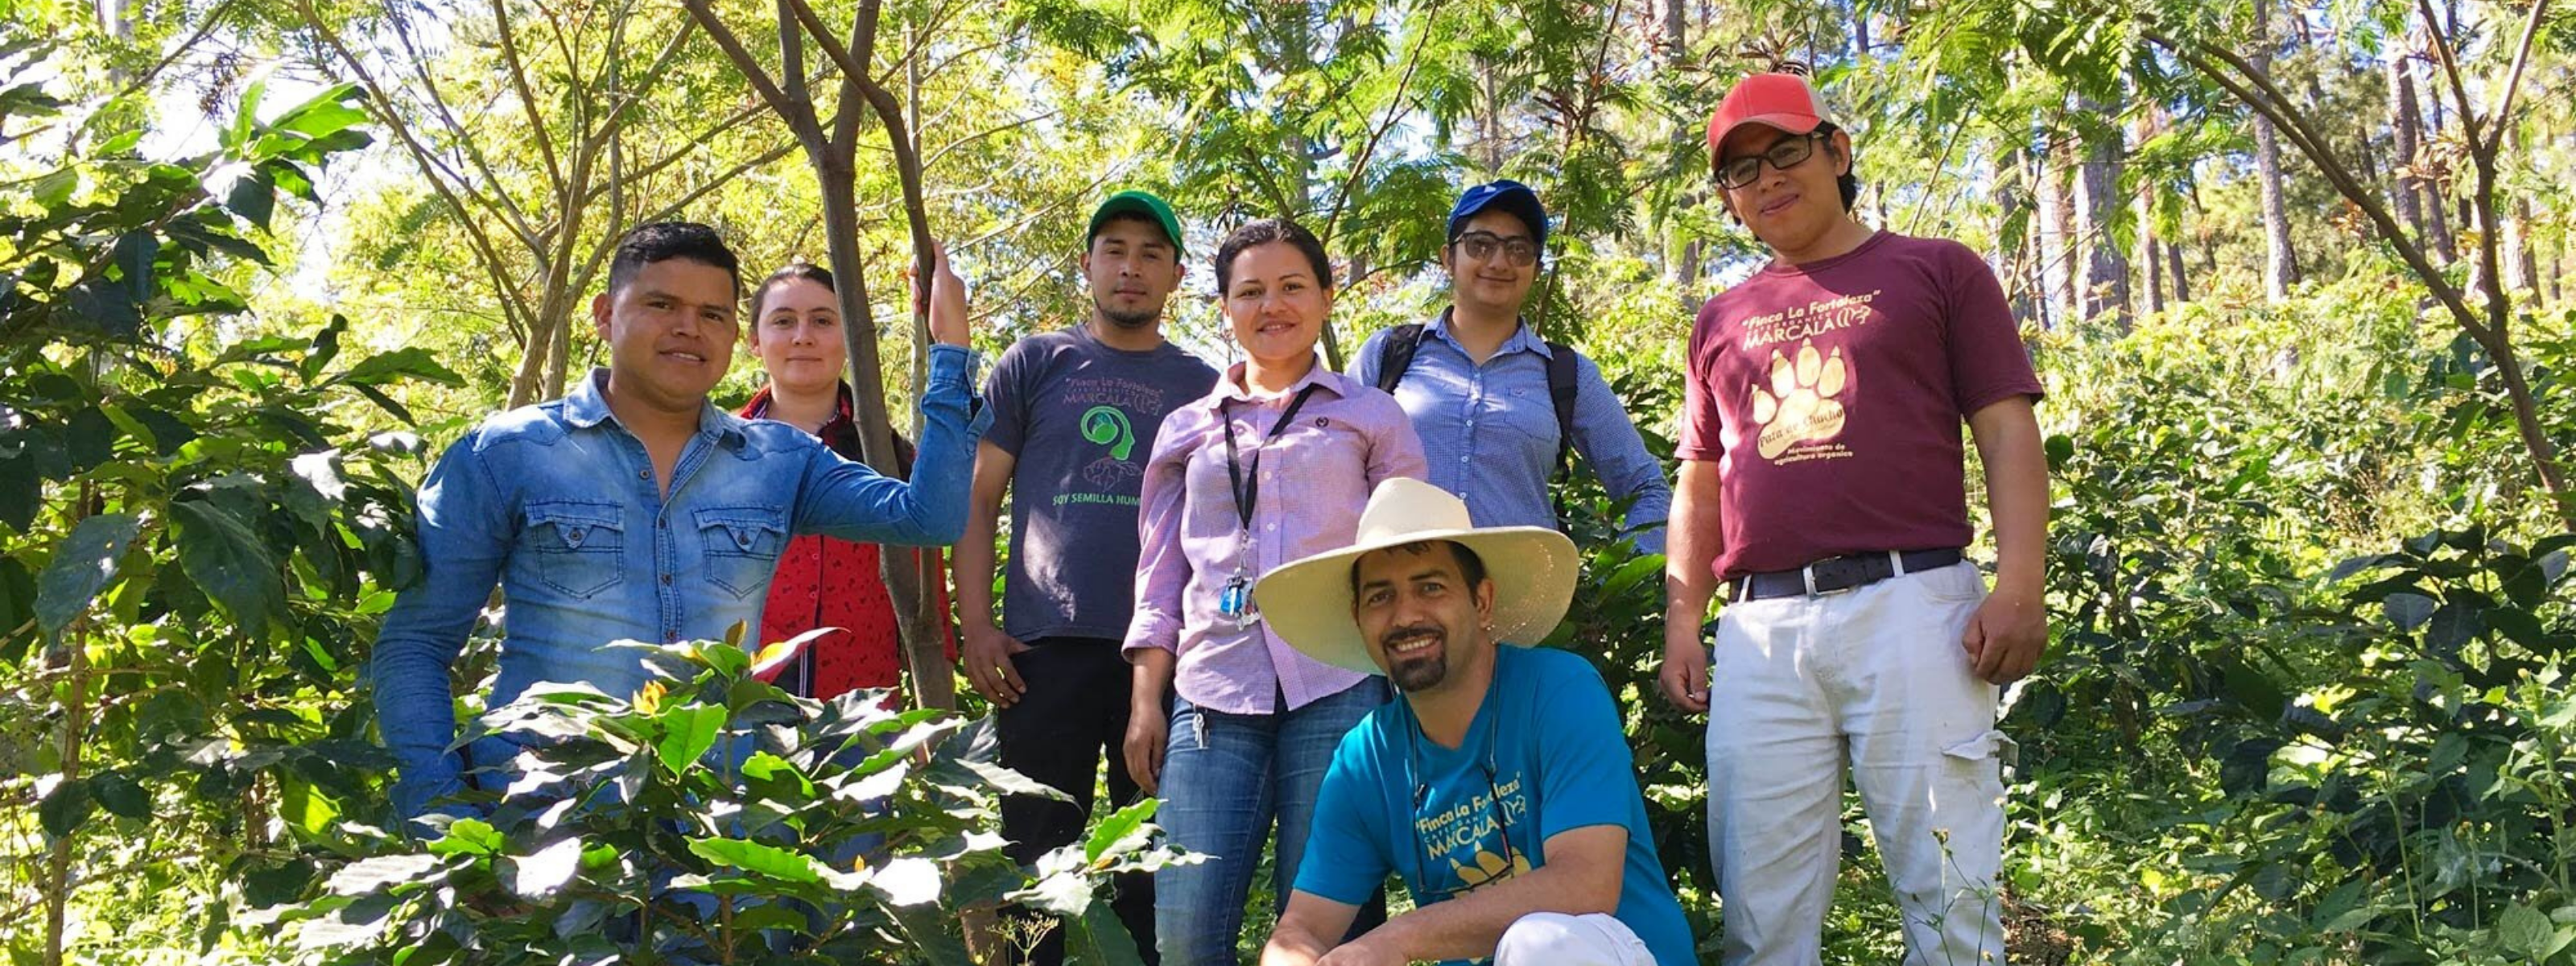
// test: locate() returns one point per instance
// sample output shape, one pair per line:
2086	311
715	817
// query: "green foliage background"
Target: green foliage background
2307	699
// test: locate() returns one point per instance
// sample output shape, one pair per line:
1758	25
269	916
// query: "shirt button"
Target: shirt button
1462	459
643	474
666	580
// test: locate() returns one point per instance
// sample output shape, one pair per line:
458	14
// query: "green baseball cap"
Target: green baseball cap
1139	203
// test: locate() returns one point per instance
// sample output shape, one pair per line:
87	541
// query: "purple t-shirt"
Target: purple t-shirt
1080	419
1830	396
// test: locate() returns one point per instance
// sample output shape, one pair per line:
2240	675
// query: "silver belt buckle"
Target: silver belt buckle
1809	573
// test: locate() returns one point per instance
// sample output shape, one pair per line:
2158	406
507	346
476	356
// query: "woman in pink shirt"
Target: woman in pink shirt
1273	465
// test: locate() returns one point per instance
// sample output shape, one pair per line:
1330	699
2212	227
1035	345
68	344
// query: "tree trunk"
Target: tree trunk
2280	262
2437	213
2056	216
2013	204
2105	286
2403	122
2174	269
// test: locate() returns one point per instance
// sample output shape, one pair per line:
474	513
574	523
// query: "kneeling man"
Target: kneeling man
1498	785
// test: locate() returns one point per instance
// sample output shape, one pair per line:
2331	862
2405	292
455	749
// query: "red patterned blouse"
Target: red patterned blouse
866	651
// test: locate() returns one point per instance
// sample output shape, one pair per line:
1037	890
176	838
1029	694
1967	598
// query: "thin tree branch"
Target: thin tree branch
799	114
2451	69
942	151
527	98
382	107
2502	117
494	198
1394	109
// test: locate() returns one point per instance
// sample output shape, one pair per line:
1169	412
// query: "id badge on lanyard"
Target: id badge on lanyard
1234	601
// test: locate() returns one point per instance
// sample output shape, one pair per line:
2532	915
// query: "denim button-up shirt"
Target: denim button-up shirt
557	504
1490	431
1315	478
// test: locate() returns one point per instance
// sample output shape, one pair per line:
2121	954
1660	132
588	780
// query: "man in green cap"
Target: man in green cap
1074	416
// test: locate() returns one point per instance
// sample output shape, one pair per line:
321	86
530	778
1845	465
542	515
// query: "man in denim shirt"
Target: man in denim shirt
1477	388
632	509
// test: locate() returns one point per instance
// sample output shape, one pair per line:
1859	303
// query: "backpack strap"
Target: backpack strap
1560	395
1395	355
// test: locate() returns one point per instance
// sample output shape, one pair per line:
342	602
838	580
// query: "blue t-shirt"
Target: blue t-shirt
1545	755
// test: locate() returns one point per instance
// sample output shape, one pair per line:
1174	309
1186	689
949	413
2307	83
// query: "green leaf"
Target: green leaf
2525	930
230	563
133	257
688	731
324	114
469	836
758	858
1096	936
82	567
253	196
400	364
910	881
2453	626
381	872
1113	832
2408	610
121	794
541	874
66	807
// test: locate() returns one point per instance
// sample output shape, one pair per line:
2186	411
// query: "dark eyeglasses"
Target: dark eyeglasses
1481	245
1782	155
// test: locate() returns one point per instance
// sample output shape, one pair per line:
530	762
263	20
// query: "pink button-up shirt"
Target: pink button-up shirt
1315	477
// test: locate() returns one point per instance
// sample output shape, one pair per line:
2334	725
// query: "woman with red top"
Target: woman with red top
822	582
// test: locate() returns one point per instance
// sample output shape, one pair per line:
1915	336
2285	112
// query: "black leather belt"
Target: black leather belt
1835	574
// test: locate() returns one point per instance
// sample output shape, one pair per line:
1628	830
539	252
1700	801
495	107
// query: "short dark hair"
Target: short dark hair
795	271
666	240
1848	183
1471	567
1264	232
1138	217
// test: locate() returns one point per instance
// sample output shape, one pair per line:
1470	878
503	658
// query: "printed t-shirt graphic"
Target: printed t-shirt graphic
1079	418
1831	397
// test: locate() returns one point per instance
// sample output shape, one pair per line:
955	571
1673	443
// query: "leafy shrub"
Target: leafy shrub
714	818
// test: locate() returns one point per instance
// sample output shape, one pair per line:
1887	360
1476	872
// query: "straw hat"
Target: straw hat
1308	602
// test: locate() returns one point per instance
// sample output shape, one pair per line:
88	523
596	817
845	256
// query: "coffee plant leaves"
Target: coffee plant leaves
85	564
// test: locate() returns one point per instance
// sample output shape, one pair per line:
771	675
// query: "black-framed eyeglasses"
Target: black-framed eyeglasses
1782	155
1481	245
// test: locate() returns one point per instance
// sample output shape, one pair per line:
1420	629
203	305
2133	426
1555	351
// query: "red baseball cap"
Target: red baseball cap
1784	101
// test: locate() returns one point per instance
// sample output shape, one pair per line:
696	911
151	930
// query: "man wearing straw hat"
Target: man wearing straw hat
1499	785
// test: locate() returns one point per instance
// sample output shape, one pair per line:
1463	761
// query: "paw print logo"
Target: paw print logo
1490	868
1799	406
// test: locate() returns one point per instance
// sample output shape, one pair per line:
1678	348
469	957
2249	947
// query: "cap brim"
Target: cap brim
1308	602
1123	204
1787	121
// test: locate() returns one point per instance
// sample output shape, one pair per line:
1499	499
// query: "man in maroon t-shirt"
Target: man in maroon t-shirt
1822	484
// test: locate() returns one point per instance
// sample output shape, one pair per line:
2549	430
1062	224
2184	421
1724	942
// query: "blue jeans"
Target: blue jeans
1225	778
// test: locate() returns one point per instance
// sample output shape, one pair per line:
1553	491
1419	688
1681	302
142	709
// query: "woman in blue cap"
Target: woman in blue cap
1497	407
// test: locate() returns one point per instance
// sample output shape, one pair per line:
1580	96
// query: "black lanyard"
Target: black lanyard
1246	491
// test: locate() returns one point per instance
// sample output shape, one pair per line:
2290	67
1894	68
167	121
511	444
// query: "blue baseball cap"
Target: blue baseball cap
1504	195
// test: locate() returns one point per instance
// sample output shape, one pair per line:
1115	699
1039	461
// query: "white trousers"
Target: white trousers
1874	678
1558	939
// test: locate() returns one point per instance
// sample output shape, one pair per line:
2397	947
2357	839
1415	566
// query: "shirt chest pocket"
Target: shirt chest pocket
741	547
1527	411
579	547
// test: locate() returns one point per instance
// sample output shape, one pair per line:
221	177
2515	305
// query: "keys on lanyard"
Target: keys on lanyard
1235	601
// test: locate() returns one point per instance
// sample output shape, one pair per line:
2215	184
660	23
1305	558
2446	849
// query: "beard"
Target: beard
1420	673
1127	320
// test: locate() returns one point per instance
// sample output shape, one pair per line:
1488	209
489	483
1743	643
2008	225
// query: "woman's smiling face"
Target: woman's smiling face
798	335
1275	304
